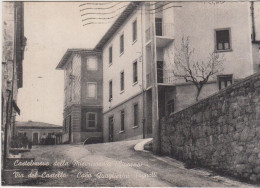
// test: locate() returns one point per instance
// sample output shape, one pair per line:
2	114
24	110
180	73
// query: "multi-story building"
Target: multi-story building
139	85
13	44
83	87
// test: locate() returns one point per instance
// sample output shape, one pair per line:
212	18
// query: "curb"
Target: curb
140	145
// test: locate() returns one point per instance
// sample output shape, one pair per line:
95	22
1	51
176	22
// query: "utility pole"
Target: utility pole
155	115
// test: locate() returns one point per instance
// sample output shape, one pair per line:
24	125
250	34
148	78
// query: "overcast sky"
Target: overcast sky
50	28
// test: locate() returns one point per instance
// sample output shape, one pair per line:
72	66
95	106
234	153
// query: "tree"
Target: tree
197	72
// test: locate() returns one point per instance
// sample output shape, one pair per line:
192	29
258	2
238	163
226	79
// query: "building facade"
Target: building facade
83	87
13	44
139	86
36	131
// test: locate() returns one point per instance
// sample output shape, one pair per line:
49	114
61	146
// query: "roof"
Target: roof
116	25
35	125
70	51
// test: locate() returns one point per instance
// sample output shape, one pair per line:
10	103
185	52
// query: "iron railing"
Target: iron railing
163	76
161	29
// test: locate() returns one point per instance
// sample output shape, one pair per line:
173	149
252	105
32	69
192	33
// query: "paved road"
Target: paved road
118	164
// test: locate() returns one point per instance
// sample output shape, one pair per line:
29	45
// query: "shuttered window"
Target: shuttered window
136	115
121	43
122	81
110	55
134	30
110	90
135	76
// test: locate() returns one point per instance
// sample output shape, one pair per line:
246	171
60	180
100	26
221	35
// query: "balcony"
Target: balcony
164	34
164	77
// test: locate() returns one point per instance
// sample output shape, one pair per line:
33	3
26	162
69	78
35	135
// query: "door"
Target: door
70	132
159	71
35	138
111	129
158	26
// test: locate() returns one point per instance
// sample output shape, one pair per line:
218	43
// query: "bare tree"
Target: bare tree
197	72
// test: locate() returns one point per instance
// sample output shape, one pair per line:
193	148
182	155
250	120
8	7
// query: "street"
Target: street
117	164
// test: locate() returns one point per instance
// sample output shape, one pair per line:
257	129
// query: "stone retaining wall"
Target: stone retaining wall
221	132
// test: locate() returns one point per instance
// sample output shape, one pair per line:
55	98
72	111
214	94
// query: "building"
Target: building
139	86
35	131
13	44
83	87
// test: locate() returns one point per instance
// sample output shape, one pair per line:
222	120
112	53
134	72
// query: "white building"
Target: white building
136	48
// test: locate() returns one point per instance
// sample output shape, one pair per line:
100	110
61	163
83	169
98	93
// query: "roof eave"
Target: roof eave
117	24
69	52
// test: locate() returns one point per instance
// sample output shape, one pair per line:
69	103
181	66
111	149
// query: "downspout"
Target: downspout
253	21
143	94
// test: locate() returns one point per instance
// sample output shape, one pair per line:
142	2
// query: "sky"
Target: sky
50	28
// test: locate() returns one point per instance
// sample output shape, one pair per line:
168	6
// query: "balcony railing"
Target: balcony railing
163	77
164	29
161	29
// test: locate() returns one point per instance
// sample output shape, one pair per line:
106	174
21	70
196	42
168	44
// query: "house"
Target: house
139	86
83	87
35	131
13	45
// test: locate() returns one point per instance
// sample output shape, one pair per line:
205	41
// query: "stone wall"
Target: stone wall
221	132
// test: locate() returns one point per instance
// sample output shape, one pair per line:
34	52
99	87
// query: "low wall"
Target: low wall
221	132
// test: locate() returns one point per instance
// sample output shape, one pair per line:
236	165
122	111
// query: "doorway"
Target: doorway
158	26
111	129
70	132
159	71
35	138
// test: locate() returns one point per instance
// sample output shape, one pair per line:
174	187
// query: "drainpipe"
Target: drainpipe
253	21
143	121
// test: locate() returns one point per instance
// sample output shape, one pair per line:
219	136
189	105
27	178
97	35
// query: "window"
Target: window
170	106
92	63
135	77
224	81
110	54
122	81
121	43
92	90
21	134
110	91
122	120
134	30
223	39
91	119
136	114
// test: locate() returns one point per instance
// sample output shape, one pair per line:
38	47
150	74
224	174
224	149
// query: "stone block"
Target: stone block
253	178
238	149
256	169
240	126
253	159
247	134
240	168
257	84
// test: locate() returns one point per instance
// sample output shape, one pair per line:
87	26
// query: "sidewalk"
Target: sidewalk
139	147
